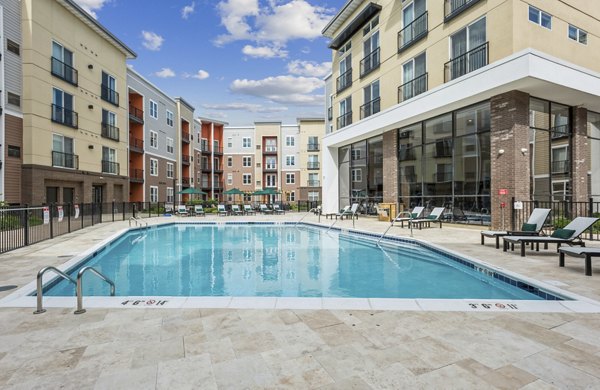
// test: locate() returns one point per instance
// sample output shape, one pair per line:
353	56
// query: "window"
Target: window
14	151
170	170
313	180
169	118
246	161
313	196
271	180
153	109
109	161
62	63
270	163
291	196
229	162
372	101
345	117
14	99
154	139
345	48
170	143
356	154
13	47
560	160
153	167
109	89
290	140
290	178
413	25
370	47
216	147
246	179
204	145
313	161
246	142
345	79
229	178
153	194
540	17
229	142
109	125
577	34
414	81
170	197
468	49
357	175
290	160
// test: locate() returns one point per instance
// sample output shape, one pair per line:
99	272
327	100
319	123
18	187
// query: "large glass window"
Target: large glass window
593	127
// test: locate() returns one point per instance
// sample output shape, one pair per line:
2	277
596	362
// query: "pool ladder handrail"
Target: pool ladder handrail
80	309
306	215
353	215
40	287
410	218
137	221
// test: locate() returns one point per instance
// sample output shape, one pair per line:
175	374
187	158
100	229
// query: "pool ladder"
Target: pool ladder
138	221
410	225
306	215
78	283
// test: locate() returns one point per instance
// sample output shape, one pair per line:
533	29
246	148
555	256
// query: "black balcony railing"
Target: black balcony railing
370	62
136	114
136	175
185	137
412	88
204	149
65	160
217	150
136	144
109	95
329	113
442	150
344	120
344	81
64	71
453	8
110	167
442	176
185	159
65	116
406	154
468	62
270	168
370	108
313	183
218	168
205	168
218	185
110	131
313	147
560	166
185	181
413	32
313	165
560	131
270	149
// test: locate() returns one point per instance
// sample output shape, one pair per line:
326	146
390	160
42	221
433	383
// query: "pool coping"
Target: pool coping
574	304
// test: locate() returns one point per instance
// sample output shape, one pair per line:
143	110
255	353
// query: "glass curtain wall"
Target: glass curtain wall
593	157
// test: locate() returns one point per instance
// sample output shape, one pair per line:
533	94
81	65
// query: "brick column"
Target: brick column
580	156
510	168
390	167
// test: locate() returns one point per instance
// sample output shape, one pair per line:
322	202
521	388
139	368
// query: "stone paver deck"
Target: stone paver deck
325	349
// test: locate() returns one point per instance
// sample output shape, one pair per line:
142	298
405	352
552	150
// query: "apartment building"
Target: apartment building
11	90
311	132
463	103
208	148
153	157
74	78
240	159
185	166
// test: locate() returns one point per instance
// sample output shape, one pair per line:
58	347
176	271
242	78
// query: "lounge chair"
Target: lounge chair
416	213
278	210
350	213
248	210
222	211
265	210
235	209
435	216
569	235
182	210
532	227
583	252
199	210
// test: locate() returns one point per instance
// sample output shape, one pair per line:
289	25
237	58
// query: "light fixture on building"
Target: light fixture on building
524	151
90	106
500	152
90	146
90	66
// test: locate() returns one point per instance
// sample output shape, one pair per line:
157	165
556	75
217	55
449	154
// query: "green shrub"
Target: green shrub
10	222
561	222
209	210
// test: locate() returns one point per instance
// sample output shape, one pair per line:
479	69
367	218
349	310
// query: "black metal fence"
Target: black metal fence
22	226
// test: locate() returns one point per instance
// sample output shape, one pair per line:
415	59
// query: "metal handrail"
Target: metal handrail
306	215
410	218
80	309
40	293
137	221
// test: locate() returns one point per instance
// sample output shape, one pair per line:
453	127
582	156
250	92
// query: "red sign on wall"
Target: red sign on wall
502	191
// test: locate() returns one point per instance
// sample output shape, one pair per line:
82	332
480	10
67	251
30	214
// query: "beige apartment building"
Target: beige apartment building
463	103
73	103
185	167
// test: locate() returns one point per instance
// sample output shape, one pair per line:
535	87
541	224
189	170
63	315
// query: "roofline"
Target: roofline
182	101
325	30
315	119
145	80
87	19
204	119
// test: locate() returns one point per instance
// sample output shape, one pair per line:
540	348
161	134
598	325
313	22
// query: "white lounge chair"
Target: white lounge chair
583	252
248	210
182	210
350	213
235	209
532	227
199	210
222	211
416	213
265	210
435	216
278	210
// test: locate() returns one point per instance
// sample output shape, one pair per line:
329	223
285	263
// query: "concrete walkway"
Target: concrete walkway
221	348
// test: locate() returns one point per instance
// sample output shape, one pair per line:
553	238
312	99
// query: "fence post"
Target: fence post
134	209
93	213
123	211
513	214
81	214
51	221
149	209
591	214
69	217
26	224
113	211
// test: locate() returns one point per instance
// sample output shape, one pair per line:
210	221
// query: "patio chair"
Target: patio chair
248	210
533	227
182	211
582	252
264	209
569	235
199	210
235	209
416	213
350	213
435	216
222	211
278	210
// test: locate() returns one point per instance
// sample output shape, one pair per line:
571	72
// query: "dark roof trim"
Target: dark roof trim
186	104
356	24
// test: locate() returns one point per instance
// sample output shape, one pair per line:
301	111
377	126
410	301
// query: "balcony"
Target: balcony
185	159
185	137
344	81
269	149
205	168
312	147
217	151
64	72
206	186
413	32
218	185
218	169
560	167
406	154
110	167
64	116
559	131
370	108
313	183
136	115
442	151
466	63
110	132
270	168
65	160
442	177
109	95
370	62
136	145
412	88
453	8
344	120
185	181
313	165
329	113
136	175
204	149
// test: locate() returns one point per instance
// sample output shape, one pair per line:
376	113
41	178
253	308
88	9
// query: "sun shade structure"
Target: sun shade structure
234	191
191	191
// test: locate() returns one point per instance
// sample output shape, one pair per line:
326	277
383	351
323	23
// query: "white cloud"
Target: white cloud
188	10
282	89
165	73
264	52
234	17
91	6
152	41
309	68
244	107
200	75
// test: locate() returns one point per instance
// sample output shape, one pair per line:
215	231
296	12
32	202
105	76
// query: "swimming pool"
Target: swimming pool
250	260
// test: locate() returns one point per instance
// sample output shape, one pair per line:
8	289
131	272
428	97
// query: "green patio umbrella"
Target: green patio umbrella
234	191
192	191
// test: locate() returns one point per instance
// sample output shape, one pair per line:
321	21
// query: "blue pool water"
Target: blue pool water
280	261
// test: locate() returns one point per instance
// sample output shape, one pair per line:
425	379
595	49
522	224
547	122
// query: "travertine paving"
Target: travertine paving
328	349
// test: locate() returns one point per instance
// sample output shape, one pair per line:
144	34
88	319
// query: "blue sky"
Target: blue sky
239	61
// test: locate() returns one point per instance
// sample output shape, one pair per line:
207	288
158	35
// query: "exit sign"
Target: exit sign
502	191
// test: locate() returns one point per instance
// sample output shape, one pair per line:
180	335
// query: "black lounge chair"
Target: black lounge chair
537	218
582	252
